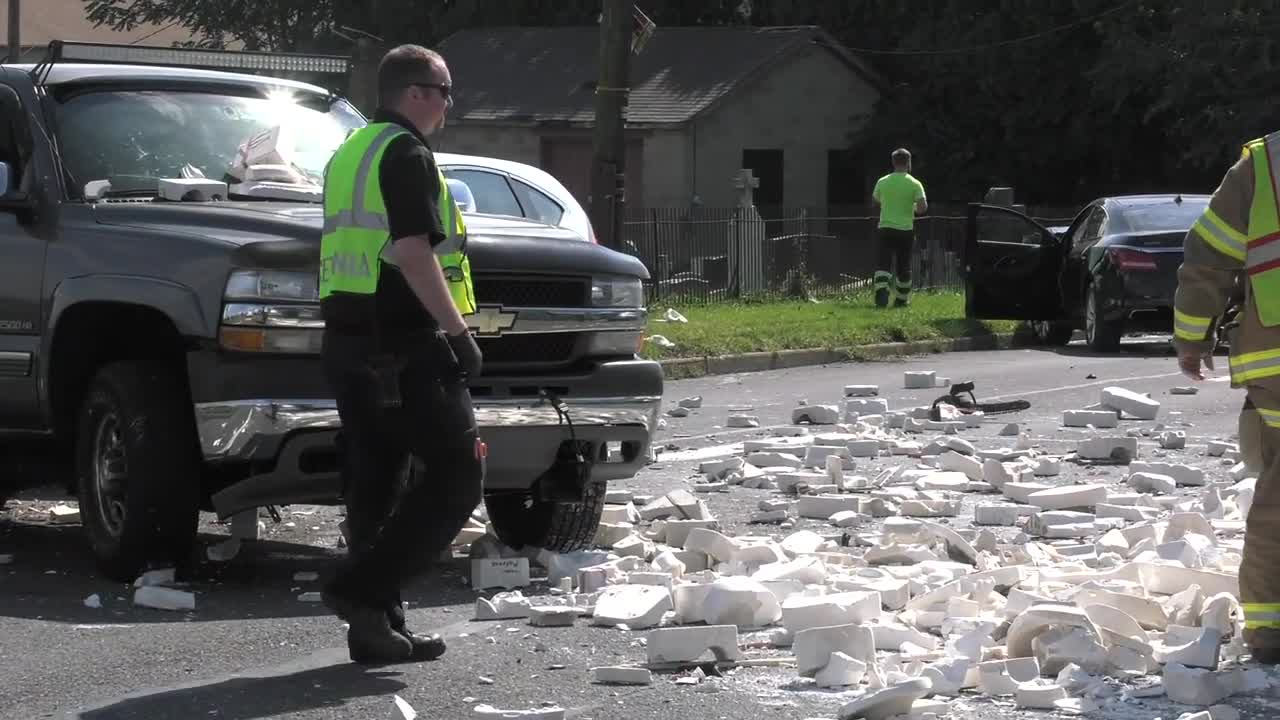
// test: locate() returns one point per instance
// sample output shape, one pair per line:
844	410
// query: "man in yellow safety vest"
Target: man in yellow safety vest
1233	252
394	287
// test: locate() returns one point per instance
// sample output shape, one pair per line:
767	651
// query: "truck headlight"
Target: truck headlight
271	311
617	292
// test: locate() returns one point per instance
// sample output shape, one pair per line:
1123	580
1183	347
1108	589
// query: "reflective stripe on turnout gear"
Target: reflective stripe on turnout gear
1190	327
1261	615
1220	236
1270	417
1254	366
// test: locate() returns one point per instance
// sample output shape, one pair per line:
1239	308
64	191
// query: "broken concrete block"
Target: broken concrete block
1038	695
742	421
774	459
813	646
503	606
919	379
802	613
679	504
740	601
1039	618
1047	467
816	455
874	406
704	540
1173	440
1155	483
1183	475
861	390
1197	686
1184	390
1218	448
896	699
689	644
693	403
1068	496
1190	647
1059	646
1001	514
621	675
677	531
1002	677
1086	418
553	615
636	606
1130	403
841	671
822	507
1113	449
816	415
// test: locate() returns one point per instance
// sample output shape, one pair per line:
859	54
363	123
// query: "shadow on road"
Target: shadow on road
246	698
53	572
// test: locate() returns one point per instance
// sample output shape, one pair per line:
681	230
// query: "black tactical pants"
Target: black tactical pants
894	255
400	521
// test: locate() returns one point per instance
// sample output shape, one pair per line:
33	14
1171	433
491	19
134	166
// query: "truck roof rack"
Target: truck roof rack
238	60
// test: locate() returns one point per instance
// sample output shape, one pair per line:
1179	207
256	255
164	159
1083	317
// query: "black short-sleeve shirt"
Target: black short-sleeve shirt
410	186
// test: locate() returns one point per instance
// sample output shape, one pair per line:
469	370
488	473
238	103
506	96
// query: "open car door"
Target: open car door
1013	266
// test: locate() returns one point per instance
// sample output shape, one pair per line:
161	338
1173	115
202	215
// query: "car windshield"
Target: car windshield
133	138
1166	216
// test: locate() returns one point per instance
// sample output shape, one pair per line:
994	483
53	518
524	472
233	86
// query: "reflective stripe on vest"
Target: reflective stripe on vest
355	236
1258	616
1190	327
1262	258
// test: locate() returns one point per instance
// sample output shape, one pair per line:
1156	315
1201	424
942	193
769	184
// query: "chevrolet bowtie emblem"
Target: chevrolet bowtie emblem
491	320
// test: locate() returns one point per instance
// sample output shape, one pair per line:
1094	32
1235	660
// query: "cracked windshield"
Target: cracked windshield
132	139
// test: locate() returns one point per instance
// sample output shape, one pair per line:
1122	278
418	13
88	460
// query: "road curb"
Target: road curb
684	368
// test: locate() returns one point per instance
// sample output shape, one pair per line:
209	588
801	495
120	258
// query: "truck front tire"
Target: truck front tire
525	519
137	468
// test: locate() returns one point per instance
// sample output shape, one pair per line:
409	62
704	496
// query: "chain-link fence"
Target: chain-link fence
699	255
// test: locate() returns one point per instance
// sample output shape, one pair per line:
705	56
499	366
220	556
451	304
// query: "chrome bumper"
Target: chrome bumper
246	429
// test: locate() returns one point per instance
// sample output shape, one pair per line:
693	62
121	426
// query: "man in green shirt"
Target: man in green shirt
900	198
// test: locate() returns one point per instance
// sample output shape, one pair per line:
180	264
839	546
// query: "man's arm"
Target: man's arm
1213	259
875	194
409	188
922	203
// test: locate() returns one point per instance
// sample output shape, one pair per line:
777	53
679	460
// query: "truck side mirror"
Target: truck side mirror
462	195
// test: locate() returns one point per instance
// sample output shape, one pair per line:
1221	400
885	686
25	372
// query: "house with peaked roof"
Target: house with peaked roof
704	102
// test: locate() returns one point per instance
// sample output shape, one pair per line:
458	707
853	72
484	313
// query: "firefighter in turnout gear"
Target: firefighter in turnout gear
1233	253
394	287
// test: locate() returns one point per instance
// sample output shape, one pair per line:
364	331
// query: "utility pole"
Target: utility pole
15	31
608	185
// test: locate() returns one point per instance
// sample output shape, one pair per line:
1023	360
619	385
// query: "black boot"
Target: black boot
370	639
425	647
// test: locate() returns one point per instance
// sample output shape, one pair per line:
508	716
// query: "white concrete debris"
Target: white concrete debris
163	598
919	379
1060	581
743	421
1132	404
544	713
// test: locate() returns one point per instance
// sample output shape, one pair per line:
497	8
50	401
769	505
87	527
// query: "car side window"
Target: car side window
1089	230
537	204
492	192
15	141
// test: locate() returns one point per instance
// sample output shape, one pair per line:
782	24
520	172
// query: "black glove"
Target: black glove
467	352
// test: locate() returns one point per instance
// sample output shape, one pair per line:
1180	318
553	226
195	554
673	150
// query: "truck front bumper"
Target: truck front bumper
290	444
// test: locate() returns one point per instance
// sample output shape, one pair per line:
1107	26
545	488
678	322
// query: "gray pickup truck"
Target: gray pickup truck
160	329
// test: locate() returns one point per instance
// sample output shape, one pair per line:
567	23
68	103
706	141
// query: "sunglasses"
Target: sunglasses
444	89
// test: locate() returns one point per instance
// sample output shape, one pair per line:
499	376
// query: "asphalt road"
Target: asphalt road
253	649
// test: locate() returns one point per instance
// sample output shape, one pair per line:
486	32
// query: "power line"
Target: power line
1001	43
153	33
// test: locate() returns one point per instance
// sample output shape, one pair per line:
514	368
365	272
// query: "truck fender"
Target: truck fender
175	301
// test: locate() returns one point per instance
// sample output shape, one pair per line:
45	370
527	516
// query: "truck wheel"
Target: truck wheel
522	519
137	468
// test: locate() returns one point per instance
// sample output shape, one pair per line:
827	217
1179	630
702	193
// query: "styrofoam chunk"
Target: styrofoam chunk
919	379
1112	449
1086	418
621	675
841	670
740	601
1068	496
636	606
802	613
688	644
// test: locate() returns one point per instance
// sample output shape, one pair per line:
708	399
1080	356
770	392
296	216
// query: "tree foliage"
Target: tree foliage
1062	99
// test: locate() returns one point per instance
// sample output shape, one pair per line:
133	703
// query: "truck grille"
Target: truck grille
540	349
525	291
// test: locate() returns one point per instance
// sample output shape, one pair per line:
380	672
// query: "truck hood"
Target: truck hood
285	235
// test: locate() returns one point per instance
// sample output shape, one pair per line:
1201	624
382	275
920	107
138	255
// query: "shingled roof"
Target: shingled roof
548	74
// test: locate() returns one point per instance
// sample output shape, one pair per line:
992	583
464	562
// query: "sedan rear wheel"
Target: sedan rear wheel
1102	336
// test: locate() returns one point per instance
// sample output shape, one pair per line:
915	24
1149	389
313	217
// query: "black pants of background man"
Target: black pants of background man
895	254
396	527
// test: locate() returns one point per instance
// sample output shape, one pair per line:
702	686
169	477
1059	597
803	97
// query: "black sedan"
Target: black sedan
1114	269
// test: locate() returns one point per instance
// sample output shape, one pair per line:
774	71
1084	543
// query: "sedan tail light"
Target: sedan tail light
1130	260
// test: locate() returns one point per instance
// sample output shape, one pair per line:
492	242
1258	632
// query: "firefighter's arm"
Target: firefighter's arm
1213	259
